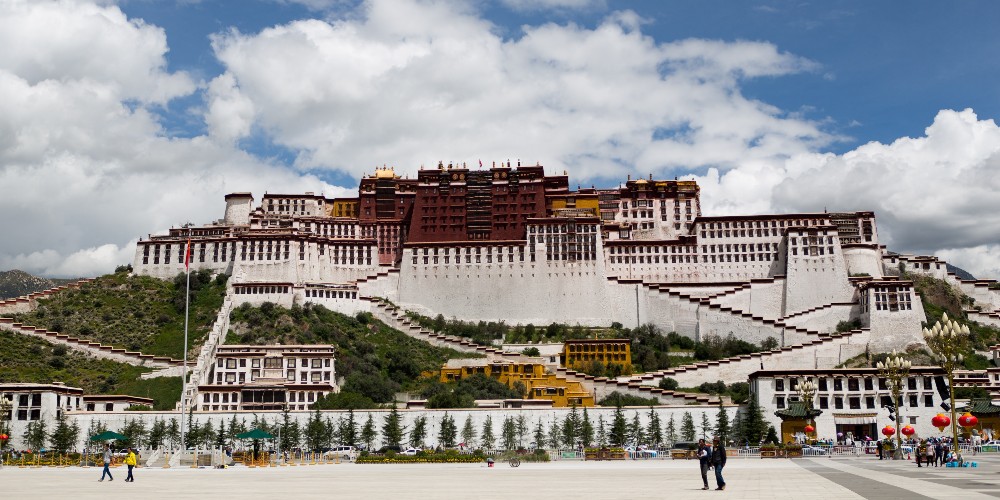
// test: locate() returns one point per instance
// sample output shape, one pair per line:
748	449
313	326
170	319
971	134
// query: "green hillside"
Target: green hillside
375	360
138	313
32	360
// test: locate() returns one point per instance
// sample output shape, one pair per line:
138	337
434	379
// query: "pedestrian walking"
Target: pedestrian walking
929	453
718	461
938	454
879	448
107	464
921	452
130	461
704	461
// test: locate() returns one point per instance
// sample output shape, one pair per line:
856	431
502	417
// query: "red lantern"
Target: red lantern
908	431
941	421
809	429
968	420
888	431
3	437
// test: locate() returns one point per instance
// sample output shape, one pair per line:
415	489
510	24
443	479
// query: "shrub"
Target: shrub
669	384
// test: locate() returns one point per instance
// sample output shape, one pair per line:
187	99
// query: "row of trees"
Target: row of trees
514	432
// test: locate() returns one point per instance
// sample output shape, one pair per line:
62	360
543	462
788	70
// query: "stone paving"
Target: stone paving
801	479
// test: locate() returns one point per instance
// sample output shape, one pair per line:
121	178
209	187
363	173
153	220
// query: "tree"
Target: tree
539	435
207	434
671	431
754	425
64	435
236	427
654	433
602	432
619	428
392	428
35	435
449	431
488	438
468	432
555	434
706	426
687	427
571	428
508	434
418	433
722	423
349	430
221	437
586	429
522	430
135	430
173	433
669	384
316	432
772	436
368	433
157	434
635	431
737	429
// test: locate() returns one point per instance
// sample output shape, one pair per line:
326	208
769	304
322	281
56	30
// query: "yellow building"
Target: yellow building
342	207
581	352
538	383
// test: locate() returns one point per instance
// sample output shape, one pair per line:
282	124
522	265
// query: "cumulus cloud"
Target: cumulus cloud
557	5
411	83
85	166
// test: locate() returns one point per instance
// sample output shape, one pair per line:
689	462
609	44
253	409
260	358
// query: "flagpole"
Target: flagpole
187	306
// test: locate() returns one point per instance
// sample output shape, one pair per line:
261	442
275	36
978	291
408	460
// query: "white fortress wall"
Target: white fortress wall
517	292
721	324
383	285
824	319
767	298
533	416
895	322
671	314
816	270
863	259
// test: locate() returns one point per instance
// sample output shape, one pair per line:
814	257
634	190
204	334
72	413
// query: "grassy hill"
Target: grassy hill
15	283
375	360
138	313
28	359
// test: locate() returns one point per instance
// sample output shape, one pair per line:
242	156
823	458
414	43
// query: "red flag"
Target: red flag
480	163
187	254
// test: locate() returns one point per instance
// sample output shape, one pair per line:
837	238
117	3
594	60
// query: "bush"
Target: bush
531	351
669	384
618	399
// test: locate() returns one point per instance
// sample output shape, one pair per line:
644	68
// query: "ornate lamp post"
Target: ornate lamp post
895	370
948	339
807	390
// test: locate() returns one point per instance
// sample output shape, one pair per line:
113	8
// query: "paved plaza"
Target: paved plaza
801	479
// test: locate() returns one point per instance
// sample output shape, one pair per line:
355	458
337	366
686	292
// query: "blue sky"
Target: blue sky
156	109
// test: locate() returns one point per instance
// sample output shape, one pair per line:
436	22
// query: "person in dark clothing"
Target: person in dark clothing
878	447
718	461
704	460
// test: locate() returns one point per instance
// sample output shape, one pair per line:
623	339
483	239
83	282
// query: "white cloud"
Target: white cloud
411	83
556	5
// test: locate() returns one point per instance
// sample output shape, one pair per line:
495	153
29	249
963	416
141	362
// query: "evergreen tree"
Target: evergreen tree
671	431
157	434
286	440
635	431
602	432
35	435
173	435
488	438
687	427
772	436
571	428
135	430
449	431
392	428
555	434
315	431
193	430
539	435
368	433
221	438
236	427
754	425
418	433
619	428
349	431
706	426
508	434
469	432
738	430
654	433
586	429
722	423
207	435
63	438
522	430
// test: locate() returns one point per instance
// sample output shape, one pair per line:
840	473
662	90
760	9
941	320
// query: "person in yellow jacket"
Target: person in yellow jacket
130	461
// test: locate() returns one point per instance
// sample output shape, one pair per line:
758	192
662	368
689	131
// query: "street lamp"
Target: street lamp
895	369
948	339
